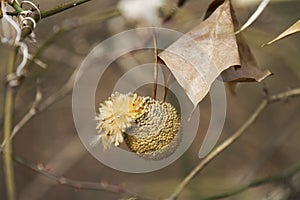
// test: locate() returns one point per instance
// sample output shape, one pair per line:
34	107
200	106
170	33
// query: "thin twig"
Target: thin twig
62	7
30	114
279	178
7	128
47	13
35	106
73	24
17	7
155	75
44	45
284	95
65	90
225	144
42	169
38	107
273	144
83	185
218	150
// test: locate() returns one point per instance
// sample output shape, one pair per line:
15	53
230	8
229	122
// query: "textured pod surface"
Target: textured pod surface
150	127
155	133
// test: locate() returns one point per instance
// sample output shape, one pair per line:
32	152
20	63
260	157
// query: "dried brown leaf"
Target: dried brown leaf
209	50
248	70
291	30
199	57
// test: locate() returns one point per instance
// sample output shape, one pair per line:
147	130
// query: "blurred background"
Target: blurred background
268	147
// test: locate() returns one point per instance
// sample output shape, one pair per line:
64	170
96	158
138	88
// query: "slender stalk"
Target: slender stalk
155	65
218	150
10	98
7	128
225	144
50	12
67	88
62	7
77	184
270	179
17	7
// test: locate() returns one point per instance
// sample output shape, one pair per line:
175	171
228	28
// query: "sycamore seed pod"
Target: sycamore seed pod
149	127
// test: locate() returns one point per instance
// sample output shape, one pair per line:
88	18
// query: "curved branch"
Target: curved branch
285	175
225	144
67	88
47	13
83	185
62	7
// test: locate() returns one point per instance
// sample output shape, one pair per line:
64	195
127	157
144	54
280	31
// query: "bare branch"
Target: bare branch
47	13
62	7
83	185
26	118
9	103
65	90
16	6
280	178
225	144
284	95
39	106
155	65
69	25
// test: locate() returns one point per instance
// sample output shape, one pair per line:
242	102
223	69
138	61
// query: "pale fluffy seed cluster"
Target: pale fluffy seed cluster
149	127
116	115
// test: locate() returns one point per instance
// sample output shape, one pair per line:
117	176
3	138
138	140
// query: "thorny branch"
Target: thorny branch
225	144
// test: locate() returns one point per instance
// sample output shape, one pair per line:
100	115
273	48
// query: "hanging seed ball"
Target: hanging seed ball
155	133
149	127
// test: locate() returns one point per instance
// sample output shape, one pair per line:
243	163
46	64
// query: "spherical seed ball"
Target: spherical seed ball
150	127
156	131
